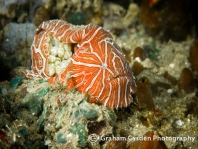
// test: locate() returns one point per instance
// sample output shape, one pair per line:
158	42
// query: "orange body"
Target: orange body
98	66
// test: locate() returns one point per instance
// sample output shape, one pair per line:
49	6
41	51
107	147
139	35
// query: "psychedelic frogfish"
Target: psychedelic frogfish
84	57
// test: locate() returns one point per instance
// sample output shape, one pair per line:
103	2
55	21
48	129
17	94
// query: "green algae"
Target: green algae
14	82
43	116
24	133
77	18
83	110
11	87
79	129
34	102
153	51
87	113
59	117
61	138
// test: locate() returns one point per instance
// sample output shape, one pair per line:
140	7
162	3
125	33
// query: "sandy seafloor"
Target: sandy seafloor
35	114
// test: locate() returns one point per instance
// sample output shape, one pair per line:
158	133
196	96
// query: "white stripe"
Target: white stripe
93	80
125	91
93	35
85	64
110	92
118	83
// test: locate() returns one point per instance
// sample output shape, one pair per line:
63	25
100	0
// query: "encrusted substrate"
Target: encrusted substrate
170	101
67	118
16	40
76	12
15	36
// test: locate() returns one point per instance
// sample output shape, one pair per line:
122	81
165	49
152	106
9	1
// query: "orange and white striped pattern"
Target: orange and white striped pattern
98	66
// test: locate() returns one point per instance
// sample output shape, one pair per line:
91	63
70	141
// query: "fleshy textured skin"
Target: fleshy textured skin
98	66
